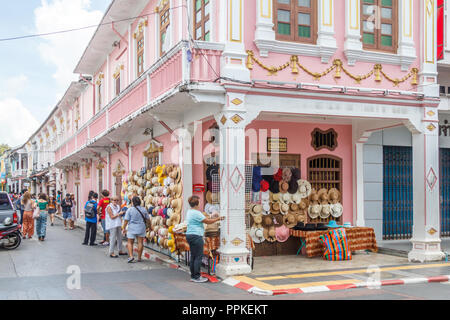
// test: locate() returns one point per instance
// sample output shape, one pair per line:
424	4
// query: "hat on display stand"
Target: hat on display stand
314	211
278	176
304	188
284	208
257	234
323	196
290	220
270	234
275	208
282	233
334	196
284	186
286	174
325	212
333	224
336	210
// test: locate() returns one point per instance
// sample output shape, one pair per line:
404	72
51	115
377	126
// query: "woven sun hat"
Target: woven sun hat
325	212
290	220
267	221
293	207
257	234
276	197
215	208
323	196
209	197
304	204
347	225
275	208
148	185
178	190
169	212
304	188
286	174
313	197
301	217
255	208
270	234
296	198
286	198
314	211
336	210
265	196
155	181
334	195
284	208
284	186
257	219
282	233
265	208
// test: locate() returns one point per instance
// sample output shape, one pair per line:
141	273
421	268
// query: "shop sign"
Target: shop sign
276	144
198	188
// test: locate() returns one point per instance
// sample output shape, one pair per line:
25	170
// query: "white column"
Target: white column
428	75
234	55
358	184
406	47
232	122
326	39
185	139
264	23
353	42
426	227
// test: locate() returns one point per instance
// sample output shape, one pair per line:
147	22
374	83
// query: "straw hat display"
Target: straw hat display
284	208
325	212
336	210
286	198
314	211
290	220
334	196
304	188
284	186
267	221
270	234
323	196
282	233
257	234
275	208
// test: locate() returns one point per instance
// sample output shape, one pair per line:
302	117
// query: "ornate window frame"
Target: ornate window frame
265	35
140	33
353	48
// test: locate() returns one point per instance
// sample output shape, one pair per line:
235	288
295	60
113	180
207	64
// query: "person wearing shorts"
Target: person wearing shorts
135	220
51	209
66	206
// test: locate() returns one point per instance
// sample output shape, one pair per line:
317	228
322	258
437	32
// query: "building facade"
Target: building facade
332	88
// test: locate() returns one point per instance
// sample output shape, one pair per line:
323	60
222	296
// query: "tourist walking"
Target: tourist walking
102	204
51	209
135	220
113	223
28	222
90	214
58	202
66	205
73	212
194	236
41	221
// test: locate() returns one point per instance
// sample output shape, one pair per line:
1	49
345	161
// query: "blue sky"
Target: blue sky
35	72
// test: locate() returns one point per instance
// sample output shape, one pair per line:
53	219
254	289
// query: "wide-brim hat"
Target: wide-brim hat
282	233
325	212
296	197
286	174
304	188
286	198
270	234
313	196
295	174
336	210
323	196
264	185
290	220
278	176
257	234
314	211
284	208
209	197
334	195
301	217
275	208
265	196
293	186
177	178
284	186
176	203
267	221
304	204
256	209
274	187
276	197
333	224
321	227
257	219
178	190
266	208
293	207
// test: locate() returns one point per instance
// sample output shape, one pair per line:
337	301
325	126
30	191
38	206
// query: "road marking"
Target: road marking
320	274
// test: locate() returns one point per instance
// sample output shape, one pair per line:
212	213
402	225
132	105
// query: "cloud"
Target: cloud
17	123
64	50
14	86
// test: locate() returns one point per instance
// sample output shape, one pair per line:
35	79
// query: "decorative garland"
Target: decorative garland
337	66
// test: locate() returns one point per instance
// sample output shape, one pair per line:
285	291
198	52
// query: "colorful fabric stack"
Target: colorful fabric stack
335	245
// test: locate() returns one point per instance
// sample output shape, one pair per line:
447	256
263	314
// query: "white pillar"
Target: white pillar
232	122
234	56
353	43
185	139
426	228
325	37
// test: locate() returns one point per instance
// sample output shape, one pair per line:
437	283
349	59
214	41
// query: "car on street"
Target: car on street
7	208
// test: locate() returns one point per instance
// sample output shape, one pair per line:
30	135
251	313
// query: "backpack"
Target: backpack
89	210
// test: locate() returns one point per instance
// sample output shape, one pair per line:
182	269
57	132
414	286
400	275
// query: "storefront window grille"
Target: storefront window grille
324	139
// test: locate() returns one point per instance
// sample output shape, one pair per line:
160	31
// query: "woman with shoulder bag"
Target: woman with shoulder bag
135	219
113	223
28	222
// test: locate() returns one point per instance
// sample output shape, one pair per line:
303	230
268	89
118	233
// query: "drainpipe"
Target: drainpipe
93	93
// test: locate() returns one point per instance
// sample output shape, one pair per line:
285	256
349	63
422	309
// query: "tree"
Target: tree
3	148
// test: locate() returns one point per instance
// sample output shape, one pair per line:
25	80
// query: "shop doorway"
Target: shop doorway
444	185
397	193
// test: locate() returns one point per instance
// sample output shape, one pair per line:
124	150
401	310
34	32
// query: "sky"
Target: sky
36	72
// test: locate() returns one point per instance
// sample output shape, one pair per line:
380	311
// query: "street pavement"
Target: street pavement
49	270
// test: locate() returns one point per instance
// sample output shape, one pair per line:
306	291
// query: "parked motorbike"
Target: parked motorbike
10	235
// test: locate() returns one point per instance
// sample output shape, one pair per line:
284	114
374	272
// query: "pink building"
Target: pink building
315	78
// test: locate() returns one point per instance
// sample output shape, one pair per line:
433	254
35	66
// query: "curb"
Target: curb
368	284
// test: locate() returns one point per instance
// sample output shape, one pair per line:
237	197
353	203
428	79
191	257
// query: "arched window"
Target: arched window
295	20
379	21
325	171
